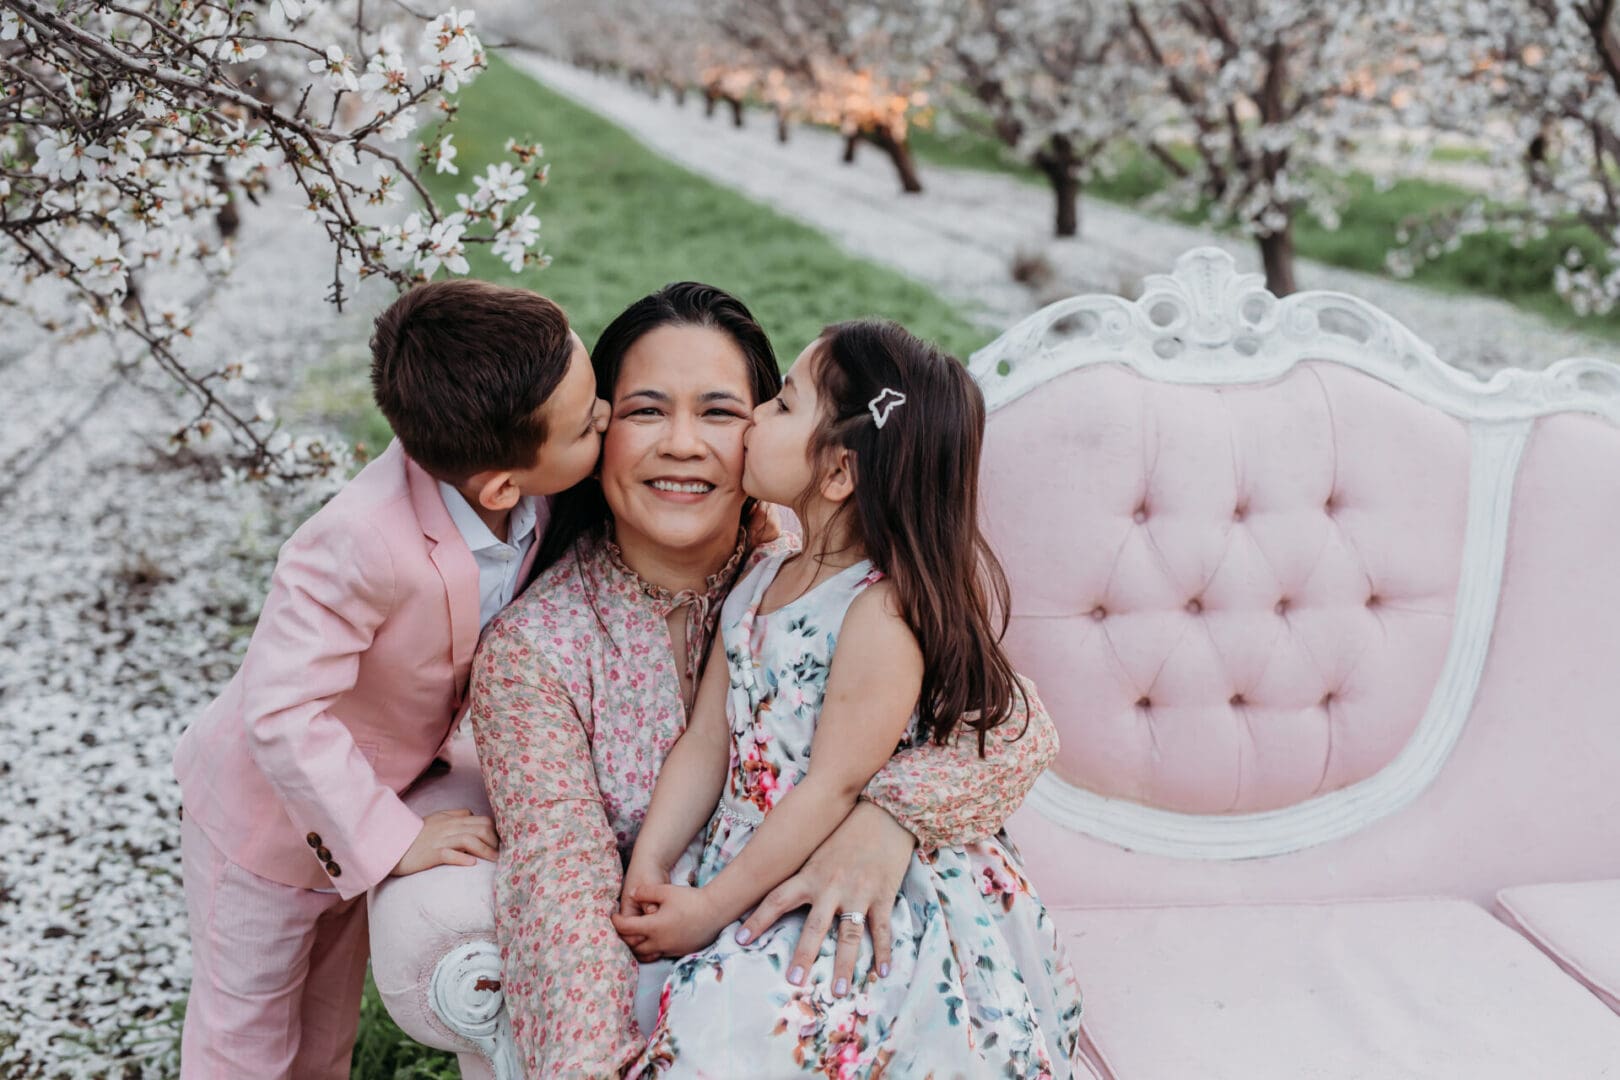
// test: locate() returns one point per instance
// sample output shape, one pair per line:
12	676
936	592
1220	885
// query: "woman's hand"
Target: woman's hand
857	869
679	920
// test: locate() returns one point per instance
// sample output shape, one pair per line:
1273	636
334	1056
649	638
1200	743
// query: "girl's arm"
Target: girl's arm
688	785
949	796
871	693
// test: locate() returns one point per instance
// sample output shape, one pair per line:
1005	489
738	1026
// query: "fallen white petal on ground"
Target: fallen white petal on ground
127	590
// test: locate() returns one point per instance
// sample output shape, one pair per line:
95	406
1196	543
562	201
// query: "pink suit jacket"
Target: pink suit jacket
350	686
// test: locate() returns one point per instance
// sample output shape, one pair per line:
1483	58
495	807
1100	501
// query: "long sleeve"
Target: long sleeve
948	796
332	589
570	982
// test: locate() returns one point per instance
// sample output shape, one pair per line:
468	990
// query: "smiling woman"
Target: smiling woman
583	684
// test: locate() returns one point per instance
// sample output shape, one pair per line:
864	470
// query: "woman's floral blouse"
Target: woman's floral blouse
575	702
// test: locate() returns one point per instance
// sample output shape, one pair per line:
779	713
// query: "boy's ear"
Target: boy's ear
496	491
839	484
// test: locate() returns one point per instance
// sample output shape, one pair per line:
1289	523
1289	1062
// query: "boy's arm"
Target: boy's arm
332	588
569	981
690	780
948	796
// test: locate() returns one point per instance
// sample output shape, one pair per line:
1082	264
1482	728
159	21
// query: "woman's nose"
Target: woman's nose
599	417
681	438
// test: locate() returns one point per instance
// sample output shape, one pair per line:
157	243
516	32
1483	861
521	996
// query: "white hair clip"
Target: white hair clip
884	404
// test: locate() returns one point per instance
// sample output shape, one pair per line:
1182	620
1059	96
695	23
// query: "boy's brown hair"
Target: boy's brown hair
461	368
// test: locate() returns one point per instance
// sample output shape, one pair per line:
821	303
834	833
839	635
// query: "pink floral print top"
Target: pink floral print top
575	701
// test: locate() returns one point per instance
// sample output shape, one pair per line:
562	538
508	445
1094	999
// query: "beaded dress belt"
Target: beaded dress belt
745	814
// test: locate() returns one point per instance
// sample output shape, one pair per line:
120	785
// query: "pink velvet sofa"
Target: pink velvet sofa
1332	635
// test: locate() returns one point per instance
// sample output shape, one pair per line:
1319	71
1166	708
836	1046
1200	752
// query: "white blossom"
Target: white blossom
338	68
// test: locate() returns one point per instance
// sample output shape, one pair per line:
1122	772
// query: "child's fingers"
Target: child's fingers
652	893
463	812
475	845
784	898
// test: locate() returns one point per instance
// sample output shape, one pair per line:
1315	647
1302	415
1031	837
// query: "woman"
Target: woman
582	685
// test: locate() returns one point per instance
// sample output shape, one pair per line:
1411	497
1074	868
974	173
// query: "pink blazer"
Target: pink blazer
355	674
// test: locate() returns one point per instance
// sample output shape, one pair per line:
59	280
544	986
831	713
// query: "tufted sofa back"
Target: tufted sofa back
1256	549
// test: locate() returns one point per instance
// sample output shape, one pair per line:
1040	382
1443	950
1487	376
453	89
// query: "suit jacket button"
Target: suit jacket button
334	869
313	839
322	854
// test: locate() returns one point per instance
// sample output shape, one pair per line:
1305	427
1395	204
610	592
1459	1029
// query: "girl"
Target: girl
878	635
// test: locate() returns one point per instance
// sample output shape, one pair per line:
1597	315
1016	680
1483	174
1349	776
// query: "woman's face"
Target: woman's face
672	457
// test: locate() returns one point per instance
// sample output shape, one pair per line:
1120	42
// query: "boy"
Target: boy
358	666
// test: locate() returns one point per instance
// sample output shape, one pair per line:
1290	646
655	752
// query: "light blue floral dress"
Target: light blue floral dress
978	986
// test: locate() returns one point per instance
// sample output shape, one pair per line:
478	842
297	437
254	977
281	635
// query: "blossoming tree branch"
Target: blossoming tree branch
129	130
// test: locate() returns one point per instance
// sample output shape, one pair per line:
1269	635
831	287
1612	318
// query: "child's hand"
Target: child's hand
638	875
682	920
450	837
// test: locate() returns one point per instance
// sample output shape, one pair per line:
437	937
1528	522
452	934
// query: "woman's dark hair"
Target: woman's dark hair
916	510
581	513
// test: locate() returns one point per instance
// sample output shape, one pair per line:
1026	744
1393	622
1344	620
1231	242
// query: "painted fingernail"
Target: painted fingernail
796	976
840	987
883	970
744	935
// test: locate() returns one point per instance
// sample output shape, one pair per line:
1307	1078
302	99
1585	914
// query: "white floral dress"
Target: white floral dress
979	985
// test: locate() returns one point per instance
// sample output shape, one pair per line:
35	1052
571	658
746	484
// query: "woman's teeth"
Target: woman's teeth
694	487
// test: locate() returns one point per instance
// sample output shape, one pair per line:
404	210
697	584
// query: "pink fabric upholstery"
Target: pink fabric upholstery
1527	796
1393	990
1578	925
1237	597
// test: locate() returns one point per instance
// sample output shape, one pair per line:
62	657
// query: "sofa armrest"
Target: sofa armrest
433	952
1575	925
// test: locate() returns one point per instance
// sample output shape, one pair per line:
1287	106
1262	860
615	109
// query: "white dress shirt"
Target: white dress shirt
498	563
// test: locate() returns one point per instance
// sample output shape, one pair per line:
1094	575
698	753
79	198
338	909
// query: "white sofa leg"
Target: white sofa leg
466	995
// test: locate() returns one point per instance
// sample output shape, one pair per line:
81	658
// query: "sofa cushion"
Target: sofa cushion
1575	924
1392	989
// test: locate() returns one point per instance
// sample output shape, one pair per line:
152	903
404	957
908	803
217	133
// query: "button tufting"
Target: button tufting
1140	515
1332	504
1282	606
1143	703
1099	613
1327	699
1240	511
1237	701
1194	606
1374	600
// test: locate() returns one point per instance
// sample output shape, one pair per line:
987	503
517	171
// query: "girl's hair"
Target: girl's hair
916	510
581	512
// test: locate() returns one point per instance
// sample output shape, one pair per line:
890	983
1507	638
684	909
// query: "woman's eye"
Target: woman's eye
723	414
781	406
645	410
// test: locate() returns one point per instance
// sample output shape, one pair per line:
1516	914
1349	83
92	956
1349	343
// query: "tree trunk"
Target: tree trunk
850	143
680	95
227	217
1056	161
736	111
1277	252
781	126
899	151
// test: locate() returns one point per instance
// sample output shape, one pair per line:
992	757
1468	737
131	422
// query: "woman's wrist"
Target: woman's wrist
872	815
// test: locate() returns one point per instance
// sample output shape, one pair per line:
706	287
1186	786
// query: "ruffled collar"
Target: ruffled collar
705	614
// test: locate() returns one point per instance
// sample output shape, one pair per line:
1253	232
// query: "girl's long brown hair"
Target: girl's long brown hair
916	511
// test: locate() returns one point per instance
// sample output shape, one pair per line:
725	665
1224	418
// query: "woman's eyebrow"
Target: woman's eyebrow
720	395
656	395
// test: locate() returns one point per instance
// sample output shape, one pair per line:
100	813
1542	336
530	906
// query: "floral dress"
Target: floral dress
978	985
575	700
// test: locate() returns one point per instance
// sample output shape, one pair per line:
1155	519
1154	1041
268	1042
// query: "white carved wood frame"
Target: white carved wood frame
1207	324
